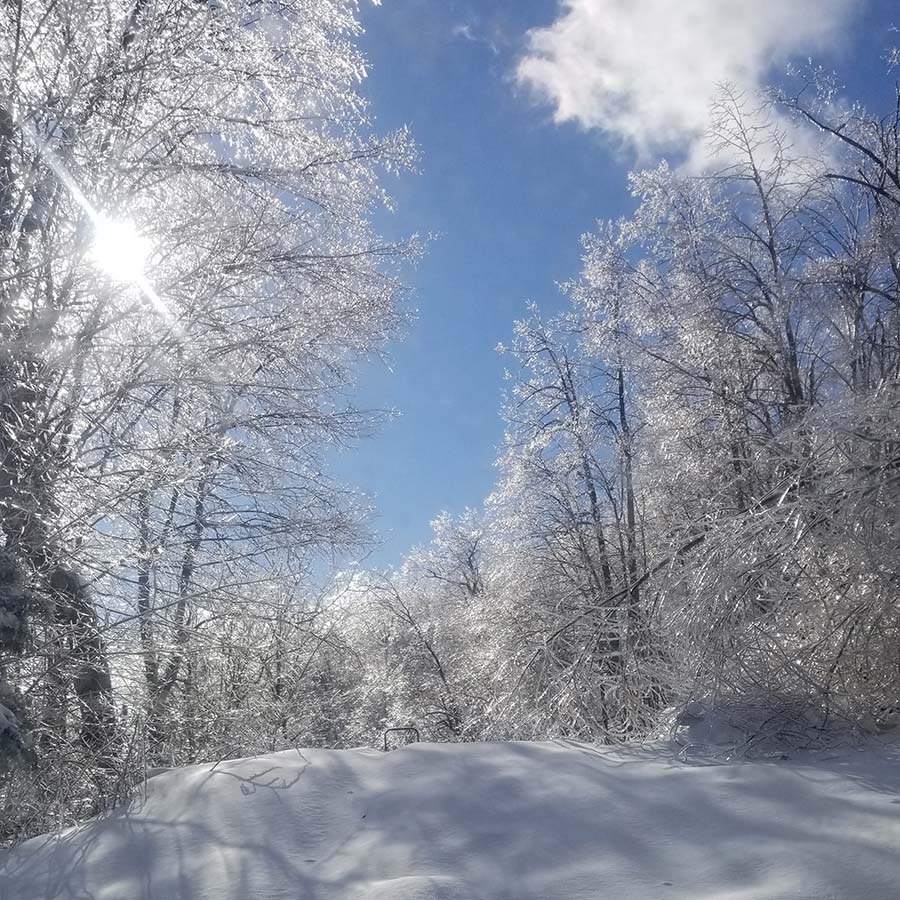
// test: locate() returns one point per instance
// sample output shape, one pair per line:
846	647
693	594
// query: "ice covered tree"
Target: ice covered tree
430	616
756	302
567	494
188	281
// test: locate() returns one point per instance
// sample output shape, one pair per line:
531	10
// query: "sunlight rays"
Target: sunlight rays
118	249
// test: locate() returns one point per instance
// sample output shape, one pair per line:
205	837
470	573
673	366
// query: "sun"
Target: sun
119	249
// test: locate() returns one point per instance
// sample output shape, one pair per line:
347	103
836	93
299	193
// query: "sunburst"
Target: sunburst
119	249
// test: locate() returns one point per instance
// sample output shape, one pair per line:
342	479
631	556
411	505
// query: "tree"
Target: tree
189	280
755	314
569	463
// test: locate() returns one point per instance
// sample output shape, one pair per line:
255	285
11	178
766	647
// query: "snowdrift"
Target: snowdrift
511	821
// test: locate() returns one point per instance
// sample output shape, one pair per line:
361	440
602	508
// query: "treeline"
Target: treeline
698	490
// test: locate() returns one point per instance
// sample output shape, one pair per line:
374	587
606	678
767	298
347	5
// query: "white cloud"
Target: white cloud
464	30
473	32
646	71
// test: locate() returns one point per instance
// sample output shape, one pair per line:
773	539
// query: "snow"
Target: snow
504	821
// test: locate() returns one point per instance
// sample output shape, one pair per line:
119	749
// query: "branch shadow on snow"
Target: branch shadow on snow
186	835
515	821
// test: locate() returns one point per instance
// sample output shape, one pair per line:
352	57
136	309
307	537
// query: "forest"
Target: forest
695	509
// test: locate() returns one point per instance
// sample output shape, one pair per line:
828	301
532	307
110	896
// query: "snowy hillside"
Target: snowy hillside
514	821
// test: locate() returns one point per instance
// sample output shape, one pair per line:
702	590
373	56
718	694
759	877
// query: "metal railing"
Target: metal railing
407	730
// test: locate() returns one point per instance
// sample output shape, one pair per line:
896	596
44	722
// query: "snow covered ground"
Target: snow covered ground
512	821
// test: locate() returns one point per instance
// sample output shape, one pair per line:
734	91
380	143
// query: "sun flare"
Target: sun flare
119	249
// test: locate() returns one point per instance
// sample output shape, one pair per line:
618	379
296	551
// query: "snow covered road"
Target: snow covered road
505	821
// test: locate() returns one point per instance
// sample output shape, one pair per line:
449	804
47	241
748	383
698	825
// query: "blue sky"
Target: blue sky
518	159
